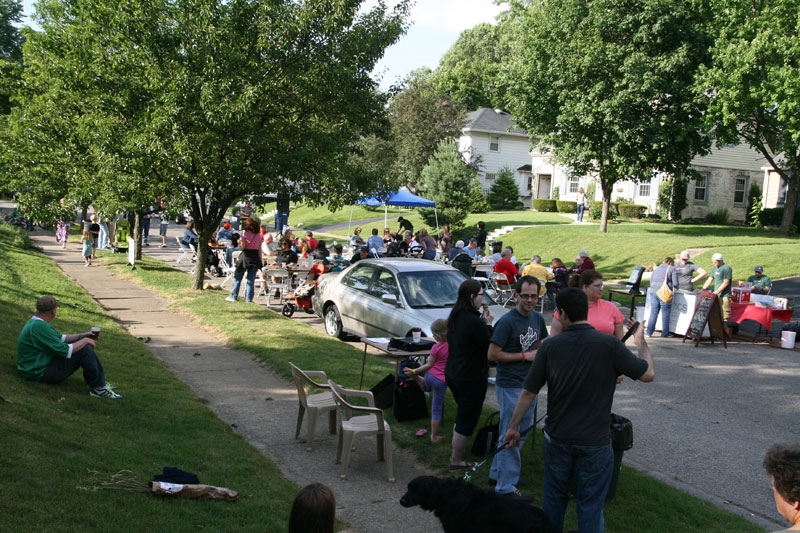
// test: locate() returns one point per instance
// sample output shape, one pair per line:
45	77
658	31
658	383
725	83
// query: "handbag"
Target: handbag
487	437
409	402
665	293
407	344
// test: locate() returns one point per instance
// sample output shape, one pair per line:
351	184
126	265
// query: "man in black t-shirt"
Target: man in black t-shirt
405	225
580	367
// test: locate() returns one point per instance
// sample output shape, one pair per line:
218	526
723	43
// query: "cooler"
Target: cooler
740	295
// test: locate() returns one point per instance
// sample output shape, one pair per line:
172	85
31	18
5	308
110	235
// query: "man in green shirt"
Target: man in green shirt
761	283
721	275
45	355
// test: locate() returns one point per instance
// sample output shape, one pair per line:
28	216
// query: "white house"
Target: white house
727	172
492	135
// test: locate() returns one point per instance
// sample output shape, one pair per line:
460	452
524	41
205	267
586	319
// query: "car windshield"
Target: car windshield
432	289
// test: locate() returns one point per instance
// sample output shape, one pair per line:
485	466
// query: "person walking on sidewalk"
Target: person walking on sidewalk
580	367
581	201
513	347
88	247
47	356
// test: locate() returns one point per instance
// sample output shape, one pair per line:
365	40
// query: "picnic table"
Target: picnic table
382	344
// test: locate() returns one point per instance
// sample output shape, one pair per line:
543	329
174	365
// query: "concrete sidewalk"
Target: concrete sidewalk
259	406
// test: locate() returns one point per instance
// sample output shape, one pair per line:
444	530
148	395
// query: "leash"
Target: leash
501	446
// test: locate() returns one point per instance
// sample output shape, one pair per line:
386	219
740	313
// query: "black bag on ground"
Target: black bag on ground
409	401
383	392
621	433
487	437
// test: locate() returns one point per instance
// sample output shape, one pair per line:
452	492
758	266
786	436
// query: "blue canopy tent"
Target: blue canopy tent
401	198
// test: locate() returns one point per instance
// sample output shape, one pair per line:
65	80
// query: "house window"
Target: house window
490	176
783	189
574	184
701	189
494	143
644	189
740	190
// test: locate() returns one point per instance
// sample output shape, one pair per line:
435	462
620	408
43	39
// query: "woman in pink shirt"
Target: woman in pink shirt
604	316
249	260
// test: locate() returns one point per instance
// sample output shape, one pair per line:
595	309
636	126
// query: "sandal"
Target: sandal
437	439
466	465
421	432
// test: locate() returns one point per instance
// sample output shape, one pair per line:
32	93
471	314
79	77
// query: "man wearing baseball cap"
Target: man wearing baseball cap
761	283
47	356
721	275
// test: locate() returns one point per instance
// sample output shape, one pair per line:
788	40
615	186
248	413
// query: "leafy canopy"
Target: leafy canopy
608	85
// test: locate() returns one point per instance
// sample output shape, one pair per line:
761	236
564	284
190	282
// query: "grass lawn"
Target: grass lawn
642	503
53	436
321	216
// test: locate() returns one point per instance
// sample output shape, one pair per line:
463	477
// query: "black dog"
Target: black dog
463	507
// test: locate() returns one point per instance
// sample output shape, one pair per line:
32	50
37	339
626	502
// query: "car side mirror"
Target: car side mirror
390	299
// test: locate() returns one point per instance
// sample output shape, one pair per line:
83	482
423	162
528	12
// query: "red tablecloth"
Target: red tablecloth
761	315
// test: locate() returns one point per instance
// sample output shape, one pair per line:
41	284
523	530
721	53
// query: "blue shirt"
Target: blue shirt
515	333
473	252
375	241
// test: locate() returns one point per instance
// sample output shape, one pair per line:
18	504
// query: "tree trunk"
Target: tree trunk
607	190
791	202
137	234
84	214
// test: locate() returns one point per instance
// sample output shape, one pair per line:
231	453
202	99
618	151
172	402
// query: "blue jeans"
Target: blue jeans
507	463
250	291
592	467
60	369
657	304
145	228
102	239
580	212
281	220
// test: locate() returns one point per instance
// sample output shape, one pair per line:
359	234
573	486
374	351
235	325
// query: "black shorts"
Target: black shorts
469	396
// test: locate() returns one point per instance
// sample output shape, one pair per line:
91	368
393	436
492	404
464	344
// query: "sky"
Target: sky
435	26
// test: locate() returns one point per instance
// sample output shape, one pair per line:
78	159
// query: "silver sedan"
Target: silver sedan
389	297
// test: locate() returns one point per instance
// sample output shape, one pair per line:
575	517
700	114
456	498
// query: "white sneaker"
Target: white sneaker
230	299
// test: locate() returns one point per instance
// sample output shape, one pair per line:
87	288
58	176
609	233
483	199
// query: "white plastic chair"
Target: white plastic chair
277	279
368	424
316	404
305	262
505	291
228	270
187	252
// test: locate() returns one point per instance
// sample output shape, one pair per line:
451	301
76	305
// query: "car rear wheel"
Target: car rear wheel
333	322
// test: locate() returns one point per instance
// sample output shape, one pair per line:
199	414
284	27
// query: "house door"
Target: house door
543	190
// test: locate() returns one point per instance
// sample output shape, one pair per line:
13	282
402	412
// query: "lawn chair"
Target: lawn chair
316	404
505	290
187	252
228	270
277	279
351	427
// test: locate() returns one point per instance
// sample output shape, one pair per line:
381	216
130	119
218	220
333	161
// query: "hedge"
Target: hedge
596	210
774	217
544	204
565	206
631	210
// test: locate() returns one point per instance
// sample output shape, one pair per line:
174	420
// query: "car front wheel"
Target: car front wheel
333	322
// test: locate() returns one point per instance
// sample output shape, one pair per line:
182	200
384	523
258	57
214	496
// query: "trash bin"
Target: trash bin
621	440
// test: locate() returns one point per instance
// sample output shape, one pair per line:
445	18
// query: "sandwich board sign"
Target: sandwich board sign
708	311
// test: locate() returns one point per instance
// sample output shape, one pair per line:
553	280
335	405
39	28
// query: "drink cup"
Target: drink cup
95	333
416	334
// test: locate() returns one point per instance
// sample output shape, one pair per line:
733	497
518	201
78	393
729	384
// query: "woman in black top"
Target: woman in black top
467	369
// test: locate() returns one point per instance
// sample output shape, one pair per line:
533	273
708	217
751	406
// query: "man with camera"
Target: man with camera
580	367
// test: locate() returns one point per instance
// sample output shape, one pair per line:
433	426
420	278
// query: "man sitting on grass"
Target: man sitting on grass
45	355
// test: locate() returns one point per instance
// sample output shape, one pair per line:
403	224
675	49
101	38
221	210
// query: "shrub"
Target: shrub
774	217
632	211
448	215
672	197
545	205
753	198
476	203
504	193
596	211
565	206
717	217
591	191
556	194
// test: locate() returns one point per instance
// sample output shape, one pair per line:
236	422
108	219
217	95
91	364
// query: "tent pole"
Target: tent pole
436	214
385	215
350	223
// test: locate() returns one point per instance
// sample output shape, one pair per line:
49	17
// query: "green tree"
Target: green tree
420	120
504	193
752	84
283	112
446	180
11	40
672	197
477	202
608	85
469	71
